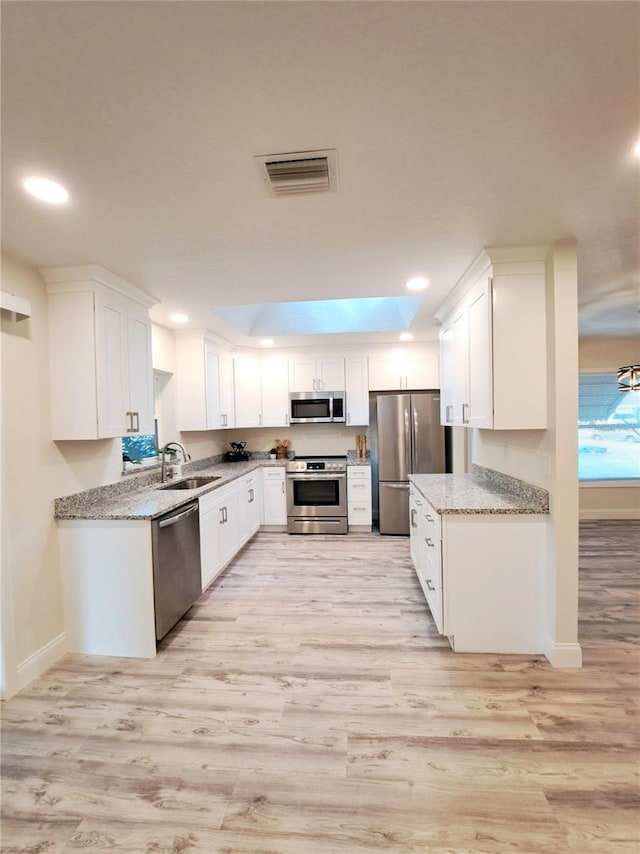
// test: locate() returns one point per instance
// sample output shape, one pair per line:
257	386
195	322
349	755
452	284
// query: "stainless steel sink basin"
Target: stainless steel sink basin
191	482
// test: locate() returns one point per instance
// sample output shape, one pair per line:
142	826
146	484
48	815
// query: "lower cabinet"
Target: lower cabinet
359	509
219	530
274	499
249	505
483	576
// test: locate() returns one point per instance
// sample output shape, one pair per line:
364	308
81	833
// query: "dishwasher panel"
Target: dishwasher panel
177	583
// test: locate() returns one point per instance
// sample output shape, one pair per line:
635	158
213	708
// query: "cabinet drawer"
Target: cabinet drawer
273	473
359	473
358	513
360	490
217	496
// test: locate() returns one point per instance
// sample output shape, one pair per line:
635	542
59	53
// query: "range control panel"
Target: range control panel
321	464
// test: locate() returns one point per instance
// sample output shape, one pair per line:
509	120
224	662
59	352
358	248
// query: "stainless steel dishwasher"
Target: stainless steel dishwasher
177	582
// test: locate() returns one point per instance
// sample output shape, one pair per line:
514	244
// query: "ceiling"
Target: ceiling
456	126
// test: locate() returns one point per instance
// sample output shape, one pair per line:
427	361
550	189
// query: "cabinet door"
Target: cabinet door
111	366
357	391
460	361
249	512
246	373
212	389
302	374
274	499
140	371
421	373
209	546
275	391
480	362
385	374
227	409
330	374
446	375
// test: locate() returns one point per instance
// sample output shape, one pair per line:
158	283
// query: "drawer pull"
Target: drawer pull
429	518
413	518
429	542
430	585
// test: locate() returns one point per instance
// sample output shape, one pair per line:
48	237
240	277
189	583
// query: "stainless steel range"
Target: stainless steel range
317	495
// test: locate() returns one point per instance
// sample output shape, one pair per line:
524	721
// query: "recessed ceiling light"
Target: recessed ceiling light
636	150
406	336
178	318
45	190
267	342
417	283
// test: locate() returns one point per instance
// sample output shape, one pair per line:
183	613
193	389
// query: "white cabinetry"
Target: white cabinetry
274	499
261	391
493	343
100	354
248	396
426	552
483	576
317	373
249	505
404	369
219	530
359	498
357	390
205	384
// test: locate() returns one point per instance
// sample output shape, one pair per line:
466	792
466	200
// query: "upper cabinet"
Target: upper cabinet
261	390
356	391
493	343
100	354
404	369
205	383
316	373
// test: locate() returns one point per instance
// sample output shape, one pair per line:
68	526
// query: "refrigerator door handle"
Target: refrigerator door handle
408	444
416	441
396	485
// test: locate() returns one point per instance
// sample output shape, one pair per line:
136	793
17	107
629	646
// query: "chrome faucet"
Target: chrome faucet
185	456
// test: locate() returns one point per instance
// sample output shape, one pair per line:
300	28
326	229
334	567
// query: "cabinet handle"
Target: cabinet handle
137	417
251	496
430	585
348	418
429	542
413	518
465	413
448	416
286	419
314	385
283	487
259	420
130	419
429	518
222	515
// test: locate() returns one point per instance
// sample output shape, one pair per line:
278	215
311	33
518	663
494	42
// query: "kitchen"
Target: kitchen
36	636
37	470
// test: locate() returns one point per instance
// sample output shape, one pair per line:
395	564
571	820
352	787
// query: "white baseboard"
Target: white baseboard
627	513
41	660
563	654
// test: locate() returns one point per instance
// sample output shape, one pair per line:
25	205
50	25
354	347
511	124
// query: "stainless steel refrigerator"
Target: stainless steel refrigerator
409	440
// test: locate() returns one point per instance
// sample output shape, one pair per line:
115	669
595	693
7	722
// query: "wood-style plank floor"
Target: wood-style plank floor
306	705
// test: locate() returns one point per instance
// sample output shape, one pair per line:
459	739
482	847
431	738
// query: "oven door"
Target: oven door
317	494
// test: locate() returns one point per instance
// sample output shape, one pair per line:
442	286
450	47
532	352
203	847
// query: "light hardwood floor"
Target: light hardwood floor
306	705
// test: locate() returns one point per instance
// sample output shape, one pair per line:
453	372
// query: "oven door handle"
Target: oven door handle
321	475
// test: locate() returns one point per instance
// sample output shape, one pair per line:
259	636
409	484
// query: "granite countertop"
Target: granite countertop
352	460
482	491
141	496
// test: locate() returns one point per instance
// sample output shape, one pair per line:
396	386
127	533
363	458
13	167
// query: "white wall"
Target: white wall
35	470
607	354
548	458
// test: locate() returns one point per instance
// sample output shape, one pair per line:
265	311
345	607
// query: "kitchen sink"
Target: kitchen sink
191	482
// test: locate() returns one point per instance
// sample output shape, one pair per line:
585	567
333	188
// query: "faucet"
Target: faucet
168	447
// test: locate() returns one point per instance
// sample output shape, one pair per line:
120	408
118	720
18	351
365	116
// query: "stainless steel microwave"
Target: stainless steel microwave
317	407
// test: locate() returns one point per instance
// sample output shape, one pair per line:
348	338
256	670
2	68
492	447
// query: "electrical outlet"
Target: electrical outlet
546	464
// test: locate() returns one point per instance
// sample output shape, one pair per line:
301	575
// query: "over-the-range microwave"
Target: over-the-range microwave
316	407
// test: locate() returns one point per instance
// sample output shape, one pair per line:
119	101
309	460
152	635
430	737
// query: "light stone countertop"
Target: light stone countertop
140	496
482	492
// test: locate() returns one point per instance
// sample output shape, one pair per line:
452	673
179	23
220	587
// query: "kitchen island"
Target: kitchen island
479	547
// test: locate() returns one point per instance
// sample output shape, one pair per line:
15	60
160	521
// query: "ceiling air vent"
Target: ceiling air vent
298	172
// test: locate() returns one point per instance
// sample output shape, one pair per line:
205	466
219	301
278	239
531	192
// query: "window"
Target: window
608	429
138	448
